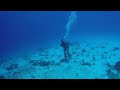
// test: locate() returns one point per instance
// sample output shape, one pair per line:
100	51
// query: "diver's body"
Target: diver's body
65	46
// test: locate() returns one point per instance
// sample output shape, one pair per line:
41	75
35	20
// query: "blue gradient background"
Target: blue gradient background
26	29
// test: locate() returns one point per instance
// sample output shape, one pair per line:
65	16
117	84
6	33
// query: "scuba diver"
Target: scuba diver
65	46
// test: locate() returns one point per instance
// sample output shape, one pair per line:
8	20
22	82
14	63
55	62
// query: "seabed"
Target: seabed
89	60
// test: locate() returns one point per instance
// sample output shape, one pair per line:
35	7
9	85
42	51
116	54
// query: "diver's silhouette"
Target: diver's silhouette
65	46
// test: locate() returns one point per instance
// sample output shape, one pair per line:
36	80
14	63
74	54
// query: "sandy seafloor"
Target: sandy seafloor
89	60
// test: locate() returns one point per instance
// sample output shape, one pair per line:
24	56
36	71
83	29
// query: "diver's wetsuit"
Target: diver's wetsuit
65	46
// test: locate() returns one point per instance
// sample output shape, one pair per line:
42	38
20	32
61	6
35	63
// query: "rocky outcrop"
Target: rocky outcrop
117	66
41	63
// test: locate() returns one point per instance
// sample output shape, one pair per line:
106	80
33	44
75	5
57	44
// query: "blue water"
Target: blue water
28	30
20	29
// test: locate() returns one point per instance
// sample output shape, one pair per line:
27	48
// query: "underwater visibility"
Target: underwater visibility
59	44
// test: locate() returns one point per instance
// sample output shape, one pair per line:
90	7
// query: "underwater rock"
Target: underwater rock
105	52
94	58
102	47
83	51
102	56
86	63
52	63
40	63
93	48
12	66
108	65
74	52
76	56
2	77
113	54
111	75
64	60
96	78
58	64
87	44
117	66
116	48
75	61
